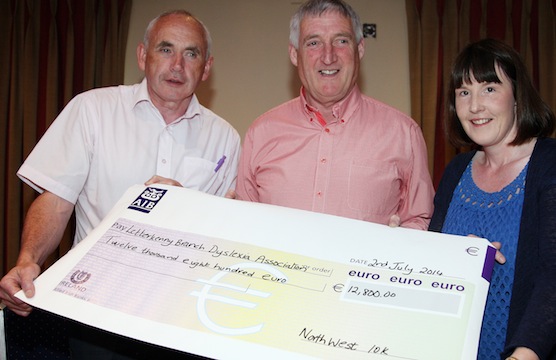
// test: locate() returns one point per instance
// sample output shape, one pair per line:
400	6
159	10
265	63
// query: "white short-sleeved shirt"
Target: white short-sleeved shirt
108	139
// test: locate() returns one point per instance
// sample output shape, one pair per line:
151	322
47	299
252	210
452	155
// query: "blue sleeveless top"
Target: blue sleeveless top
495	217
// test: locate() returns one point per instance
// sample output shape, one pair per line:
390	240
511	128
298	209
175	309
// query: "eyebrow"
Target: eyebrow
164	43
348	35
195	49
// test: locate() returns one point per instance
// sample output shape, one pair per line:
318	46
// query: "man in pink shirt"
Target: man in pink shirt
332	149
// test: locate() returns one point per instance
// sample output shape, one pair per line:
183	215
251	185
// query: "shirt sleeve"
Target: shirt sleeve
60	161
246	187
537	327
417	198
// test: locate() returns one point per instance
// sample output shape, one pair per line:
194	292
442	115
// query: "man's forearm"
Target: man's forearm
44	226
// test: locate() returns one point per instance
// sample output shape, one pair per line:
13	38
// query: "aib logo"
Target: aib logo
147	200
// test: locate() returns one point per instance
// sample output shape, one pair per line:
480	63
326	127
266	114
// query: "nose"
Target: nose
177	63
329	54
476	104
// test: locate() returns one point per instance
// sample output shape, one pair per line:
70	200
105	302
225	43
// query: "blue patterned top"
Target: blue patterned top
496	217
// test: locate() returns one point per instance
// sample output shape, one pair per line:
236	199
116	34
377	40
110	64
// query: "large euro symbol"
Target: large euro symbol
204	296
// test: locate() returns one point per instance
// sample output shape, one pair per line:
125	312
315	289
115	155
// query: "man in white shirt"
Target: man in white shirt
108	139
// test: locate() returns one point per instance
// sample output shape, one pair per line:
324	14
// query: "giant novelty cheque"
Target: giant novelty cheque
229	279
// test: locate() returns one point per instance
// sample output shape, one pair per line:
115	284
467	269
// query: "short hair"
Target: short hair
317	8
479	60
206	33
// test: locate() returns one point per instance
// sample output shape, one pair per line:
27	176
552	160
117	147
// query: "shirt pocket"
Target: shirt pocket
198	174
374	187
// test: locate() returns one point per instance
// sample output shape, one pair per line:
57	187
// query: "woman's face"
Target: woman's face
487	111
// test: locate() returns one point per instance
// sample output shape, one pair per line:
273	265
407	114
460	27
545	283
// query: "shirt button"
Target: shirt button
323	160
319	193
327	130
164	161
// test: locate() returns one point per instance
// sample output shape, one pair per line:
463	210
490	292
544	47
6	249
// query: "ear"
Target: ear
361	48
208	66
293	54
141	56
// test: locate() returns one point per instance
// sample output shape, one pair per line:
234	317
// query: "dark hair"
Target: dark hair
479	60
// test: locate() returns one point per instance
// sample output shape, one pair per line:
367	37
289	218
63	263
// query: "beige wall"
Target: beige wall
252	71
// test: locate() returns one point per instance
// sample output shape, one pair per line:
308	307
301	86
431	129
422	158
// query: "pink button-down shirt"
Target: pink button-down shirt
368	164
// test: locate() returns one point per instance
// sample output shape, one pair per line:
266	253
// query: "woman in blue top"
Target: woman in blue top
504	191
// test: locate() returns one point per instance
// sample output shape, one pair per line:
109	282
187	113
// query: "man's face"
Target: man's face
327	59
174	60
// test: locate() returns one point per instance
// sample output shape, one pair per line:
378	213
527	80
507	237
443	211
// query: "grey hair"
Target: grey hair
317	8
208	38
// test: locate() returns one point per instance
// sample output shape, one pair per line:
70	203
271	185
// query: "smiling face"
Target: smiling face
174	61
487	111
327	59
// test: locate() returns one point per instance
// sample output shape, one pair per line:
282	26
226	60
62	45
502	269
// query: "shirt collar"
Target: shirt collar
343	110
142	95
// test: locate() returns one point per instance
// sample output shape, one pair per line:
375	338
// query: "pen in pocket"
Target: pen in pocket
220	163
